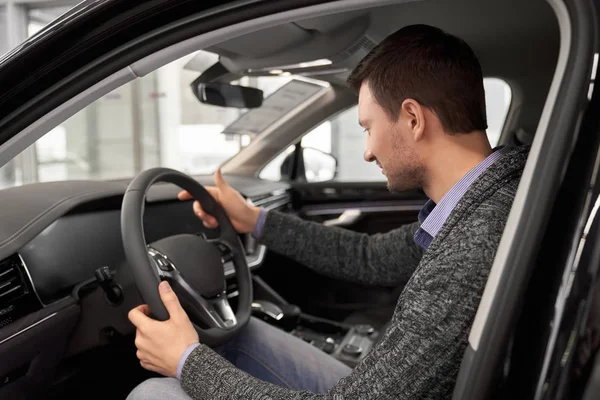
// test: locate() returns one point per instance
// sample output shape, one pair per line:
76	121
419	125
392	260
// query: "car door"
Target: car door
536	333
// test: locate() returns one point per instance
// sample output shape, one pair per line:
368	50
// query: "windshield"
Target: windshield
156	121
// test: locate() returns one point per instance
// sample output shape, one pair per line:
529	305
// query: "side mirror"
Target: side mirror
318	165
227	95
314	165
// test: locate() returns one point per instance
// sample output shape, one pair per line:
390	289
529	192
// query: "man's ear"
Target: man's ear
414	117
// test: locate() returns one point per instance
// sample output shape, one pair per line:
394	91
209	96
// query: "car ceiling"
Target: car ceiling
515	40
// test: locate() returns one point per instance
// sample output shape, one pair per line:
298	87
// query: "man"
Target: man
421	102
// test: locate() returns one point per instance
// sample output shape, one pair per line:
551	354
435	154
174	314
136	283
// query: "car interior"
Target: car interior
65	283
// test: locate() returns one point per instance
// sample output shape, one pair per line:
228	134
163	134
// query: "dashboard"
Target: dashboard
54	238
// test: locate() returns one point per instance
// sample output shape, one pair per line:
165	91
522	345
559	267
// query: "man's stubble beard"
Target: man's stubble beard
409	178
408	172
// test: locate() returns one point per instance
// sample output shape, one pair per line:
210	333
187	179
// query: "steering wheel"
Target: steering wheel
192	264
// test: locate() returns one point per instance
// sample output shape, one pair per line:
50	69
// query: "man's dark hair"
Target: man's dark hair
426	64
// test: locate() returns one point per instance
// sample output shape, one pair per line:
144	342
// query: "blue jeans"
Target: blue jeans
267	353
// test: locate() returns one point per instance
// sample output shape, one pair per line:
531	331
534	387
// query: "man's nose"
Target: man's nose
368	155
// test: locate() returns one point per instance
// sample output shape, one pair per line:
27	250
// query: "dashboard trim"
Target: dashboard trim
252	261
14	335
44	305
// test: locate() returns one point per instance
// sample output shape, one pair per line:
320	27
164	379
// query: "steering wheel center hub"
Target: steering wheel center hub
198	261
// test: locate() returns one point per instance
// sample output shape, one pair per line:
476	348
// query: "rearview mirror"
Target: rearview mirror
227	95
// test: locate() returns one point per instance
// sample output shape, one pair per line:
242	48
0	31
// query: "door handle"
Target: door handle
346	218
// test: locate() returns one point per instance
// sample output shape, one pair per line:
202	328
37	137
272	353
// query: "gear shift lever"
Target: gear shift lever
285	316
267	309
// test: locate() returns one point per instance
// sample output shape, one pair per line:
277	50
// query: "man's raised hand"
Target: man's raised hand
243	216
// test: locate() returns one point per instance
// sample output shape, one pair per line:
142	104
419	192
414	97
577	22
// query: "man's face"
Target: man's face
390	144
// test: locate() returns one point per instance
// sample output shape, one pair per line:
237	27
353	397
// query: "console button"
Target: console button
352	349
329	345
364	329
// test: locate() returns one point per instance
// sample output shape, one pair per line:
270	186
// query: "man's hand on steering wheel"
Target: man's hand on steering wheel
243	216
160	344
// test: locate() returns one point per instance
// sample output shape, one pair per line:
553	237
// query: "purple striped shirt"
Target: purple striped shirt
432	216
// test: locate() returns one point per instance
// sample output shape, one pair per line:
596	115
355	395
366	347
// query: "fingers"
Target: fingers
139	315
142	345
145	309
219	181
184	195
214	192
208	220
169	299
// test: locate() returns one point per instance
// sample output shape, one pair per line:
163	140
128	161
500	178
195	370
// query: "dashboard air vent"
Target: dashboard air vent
12	282
17	297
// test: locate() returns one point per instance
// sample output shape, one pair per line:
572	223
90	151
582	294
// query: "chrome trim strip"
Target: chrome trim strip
272	199
277	204
6	272
365	209
28	328
11	290
44	305
262	250
347	218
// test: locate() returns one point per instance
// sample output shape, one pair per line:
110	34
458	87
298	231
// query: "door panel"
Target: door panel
372	209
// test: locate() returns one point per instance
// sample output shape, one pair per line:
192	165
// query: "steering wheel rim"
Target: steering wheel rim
147	275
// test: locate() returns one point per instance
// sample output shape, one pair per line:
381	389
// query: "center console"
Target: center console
348	343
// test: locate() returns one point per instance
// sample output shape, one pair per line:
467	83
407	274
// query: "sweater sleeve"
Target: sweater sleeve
387	259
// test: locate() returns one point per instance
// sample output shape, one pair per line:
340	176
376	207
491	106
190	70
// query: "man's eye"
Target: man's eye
366	130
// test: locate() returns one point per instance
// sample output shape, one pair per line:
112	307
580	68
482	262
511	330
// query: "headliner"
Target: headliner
504	34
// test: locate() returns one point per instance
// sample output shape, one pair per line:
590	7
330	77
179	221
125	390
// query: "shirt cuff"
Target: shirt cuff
184	357
260	224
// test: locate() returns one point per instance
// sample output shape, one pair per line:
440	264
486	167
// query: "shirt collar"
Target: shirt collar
433	216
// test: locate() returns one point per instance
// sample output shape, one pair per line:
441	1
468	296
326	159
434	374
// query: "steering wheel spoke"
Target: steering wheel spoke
216	313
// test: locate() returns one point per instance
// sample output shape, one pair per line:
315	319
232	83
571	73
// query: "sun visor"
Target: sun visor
290	98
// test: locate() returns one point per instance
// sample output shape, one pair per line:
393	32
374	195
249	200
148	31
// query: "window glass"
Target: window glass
3	29
342	137
153	121
497	102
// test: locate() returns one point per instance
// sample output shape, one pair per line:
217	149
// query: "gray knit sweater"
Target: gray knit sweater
421	350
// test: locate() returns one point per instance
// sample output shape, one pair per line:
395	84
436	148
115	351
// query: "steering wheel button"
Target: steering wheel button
223	249
164	265
229	322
